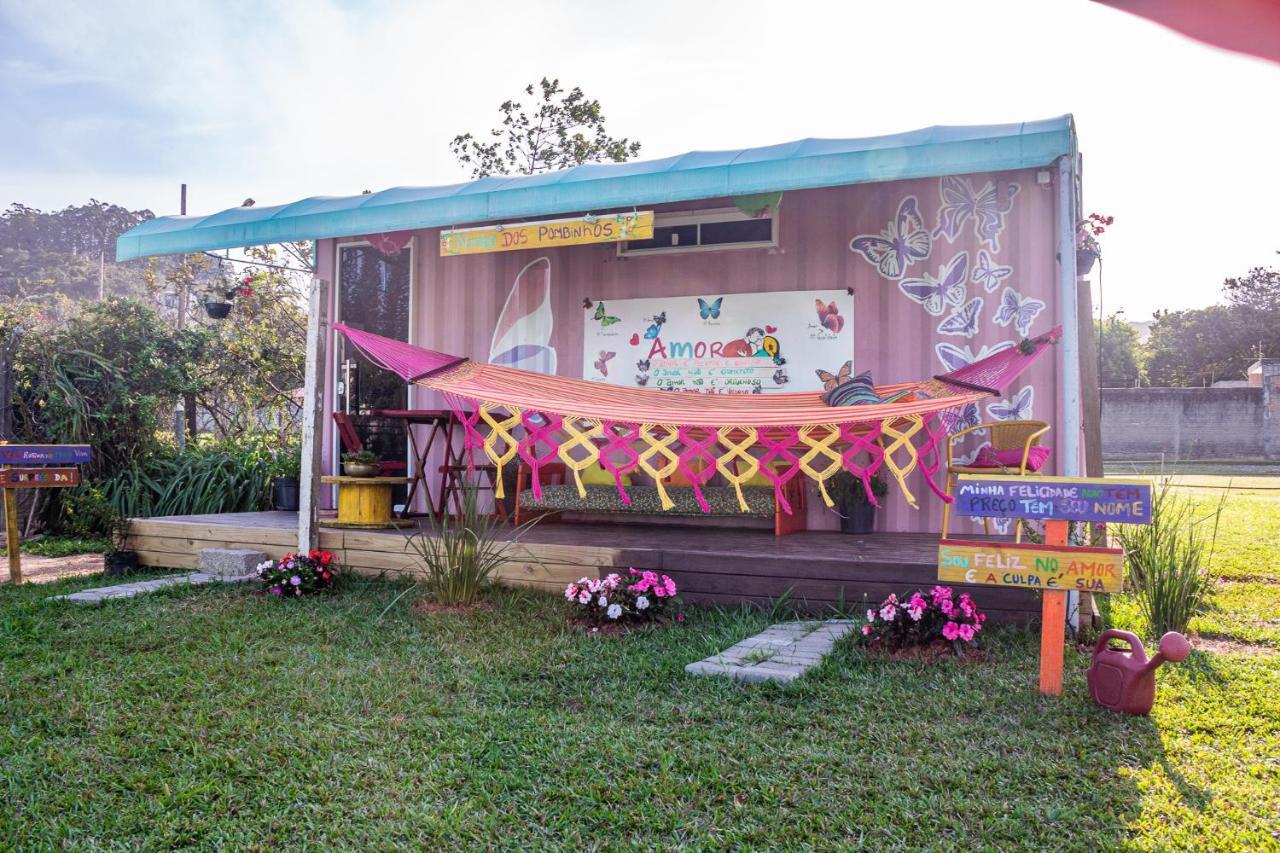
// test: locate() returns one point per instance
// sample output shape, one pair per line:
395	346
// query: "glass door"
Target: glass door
374	294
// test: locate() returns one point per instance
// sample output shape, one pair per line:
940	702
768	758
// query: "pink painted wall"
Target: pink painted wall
458	299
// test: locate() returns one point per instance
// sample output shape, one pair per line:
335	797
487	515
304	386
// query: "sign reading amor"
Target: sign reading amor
578	231
1060	498
731	343
1033	566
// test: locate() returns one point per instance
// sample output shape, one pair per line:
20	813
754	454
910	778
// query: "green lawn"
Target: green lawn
214	717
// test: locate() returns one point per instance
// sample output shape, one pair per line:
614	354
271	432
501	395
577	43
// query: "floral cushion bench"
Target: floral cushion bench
559	497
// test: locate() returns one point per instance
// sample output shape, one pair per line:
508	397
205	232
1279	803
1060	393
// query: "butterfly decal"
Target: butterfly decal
960	204
903	242
829	316
964	459
710	310
935	294
655	327
522	335
642	379
1019	310
963	417
780	377
989	274
643	365
963	320
602	363
831	380
953	357
999	525
605	320
1015	408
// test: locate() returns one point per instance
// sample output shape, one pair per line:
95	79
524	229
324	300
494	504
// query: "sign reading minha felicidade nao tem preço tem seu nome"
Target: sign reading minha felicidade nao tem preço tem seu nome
1057	498
548	234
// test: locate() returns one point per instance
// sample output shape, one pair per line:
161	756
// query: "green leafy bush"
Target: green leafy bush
1169	560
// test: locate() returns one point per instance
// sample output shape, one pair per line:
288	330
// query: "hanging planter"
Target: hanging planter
218	304
1087	249
1085	259
217	310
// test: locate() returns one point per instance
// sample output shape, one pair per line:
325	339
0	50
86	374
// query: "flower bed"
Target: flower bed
644	597
938	617
296	574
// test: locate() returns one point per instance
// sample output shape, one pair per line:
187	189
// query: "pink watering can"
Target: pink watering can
1125	680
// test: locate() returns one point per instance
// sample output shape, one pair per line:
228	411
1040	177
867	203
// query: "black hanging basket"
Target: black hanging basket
218	310
1085	260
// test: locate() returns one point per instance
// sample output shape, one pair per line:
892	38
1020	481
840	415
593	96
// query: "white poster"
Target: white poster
734	343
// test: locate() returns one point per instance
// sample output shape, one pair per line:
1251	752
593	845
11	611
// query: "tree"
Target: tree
548	129
1197	346
1120	352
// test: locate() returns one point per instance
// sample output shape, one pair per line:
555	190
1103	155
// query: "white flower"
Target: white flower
915	613
603	602
642	603
614	611
888	612
584	597
871	616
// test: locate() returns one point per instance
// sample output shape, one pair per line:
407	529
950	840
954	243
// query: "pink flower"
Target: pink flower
947	607
680	617
571	592
950	630
866	629
915	613
966	632
888	612
669	584
659	591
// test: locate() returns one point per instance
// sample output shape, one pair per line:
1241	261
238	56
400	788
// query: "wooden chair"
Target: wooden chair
351	443
1005	435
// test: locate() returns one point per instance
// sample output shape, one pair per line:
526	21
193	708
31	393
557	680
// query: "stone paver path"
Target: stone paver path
780	653
128	590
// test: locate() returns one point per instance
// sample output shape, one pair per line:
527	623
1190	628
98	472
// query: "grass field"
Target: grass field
214	717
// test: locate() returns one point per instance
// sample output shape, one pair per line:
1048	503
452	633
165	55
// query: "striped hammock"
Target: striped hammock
508	413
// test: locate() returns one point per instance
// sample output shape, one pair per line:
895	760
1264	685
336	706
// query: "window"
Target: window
706	231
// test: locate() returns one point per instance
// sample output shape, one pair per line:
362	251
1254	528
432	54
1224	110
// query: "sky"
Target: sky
123	101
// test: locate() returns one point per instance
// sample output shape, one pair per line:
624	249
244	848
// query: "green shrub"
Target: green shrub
1169	560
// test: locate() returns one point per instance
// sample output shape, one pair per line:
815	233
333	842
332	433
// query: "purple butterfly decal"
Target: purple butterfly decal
1015	408
963	320
960	203
602	363
1021	311
954	358
989	274
935	294
963	417
903	242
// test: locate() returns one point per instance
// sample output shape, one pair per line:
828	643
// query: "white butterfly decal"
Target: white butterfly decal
963	320
986	208
1021	311
1015	408
953	357
999	525
903	242
989	274
964	459
934	294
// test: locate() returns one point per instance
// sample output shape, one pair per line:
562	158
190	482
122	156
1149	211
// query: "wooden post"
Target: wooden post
313	416
11	535
1053	614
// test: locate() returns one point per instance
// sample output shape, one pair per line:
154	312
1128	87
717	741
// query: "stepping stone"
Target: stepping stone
780	653
128	590
228	563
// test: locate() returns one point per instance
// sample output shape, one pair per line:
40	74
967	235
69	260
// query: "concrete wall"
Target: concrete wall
1191	423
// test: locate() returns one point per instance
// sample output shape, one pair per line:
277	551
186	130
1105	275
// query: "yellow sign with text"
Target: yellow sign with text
1034	566
578	231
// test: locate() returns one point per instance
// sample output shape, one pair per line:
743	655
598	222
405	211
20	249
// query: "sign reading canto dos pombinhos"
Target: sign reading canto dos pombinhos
1043	567
548	234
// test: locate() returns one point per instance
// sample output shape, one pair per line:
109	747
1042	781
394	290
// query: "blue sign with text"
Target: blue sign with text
1054	498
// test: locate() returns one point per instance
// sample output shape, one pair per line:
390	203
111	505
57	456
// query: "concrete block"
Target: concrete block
230	563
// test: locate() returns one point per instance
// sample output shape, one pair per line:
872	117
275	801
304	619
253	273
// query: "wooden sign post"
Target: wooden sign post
1055	568
12	479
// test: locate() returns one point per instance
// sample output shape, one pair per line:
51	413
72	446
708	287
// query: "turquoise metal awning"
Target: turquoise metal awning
805	164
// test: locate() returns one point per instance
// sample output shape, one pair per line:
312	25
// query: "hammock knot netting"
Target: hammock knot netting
517	417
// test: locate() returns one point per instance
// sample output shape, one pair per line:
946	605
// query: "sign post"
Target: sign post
1055	568
14	478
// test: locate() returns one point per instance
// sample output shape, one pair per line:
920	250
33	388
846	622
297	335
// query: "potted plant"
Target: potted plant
218	304
120	560
362	464
285	486
857	512
1087	249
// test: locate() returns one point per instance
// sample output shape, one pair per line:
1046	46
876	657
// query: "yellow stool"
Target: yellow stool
364	502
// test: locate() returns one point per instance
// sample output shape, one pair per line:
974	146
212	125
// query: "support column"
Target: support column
313	416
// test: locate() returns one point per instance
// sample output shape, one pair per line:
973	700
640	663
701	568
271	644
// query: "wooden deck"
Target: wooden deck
715	565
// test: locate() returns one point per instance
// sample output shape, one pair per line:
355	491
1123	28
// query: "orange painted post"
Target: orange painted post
1053	617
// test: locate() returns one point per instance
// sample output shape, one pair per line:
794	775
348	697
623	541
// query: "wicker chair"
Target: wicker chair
1005	435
